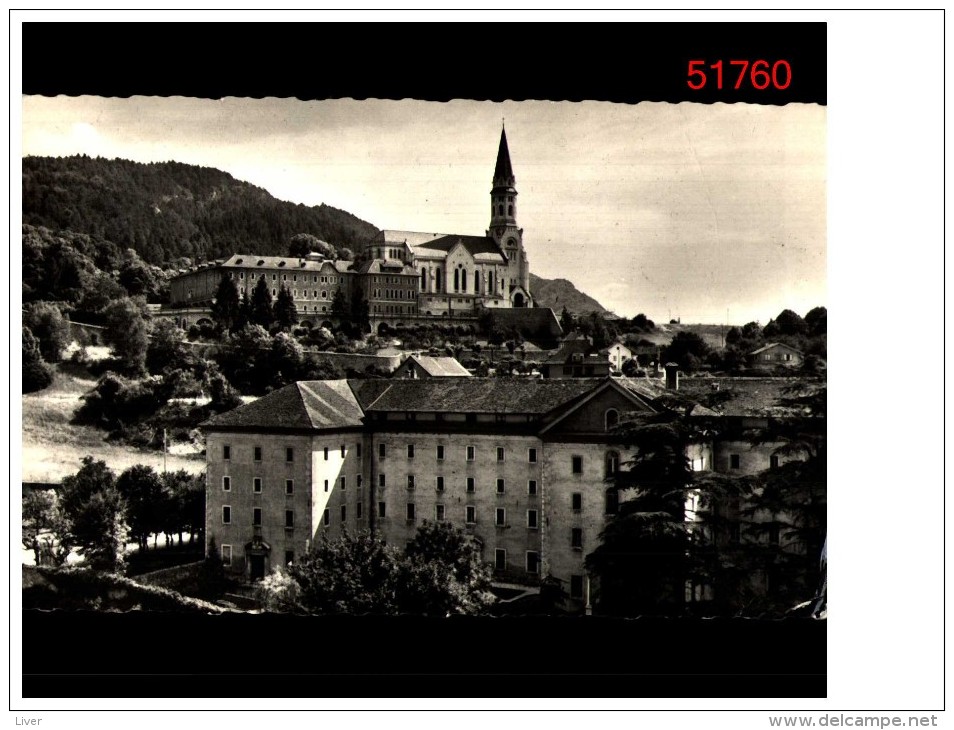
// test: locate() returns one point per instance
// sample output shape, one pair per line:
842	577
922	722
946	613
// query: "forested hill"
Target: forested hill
169	210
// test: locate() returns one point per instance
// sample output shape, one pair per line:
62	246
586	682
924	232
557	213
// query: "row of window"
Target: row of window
289	452
257	516
315	279
471	484
470	452
258	484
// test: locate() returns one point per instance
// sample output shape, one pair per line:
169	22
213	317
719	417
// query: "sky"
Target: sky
705	213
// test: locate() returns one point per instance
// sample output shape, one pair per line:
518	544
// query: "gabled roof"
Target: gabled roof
440	366
309	405
637	399
474	244
412	238
378	266
770	345
289	263
479	395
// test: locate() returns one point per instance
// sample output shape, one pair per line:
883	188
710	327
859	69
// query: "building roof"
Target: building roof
537	324
382	266
290	263
746	396
474	244
770	345
440	366
479	395
311	405
503	169
412	238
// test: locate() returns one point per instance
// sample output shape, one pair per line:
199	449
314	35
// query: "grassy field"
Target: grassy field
53	448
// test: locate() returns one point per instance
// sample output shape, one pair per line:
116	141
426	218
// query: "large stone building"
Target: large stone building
519	463
406	277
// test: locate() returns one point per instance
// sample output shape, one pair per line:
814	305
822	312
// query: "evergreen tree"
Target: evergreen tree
96	513
142	490
37	375
360	313
244	315
286	314
339	307
262	313
566	321
225	308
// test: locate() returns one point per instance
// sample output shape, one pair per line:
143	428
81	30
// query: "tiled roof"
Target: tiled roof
440	366
378	266
289	263
538	324
770	345
413	238
480	395
311	404
474	244
749	396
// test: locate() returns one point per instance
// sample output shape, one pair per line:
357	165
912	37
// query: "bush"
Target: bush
37	375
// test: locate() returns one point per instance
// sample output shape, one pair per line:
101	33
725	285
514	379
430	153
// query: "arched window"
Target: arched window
456	280
612	463
490	283
437	280
612	501
499	210
423	279
612	419
476	282
510	210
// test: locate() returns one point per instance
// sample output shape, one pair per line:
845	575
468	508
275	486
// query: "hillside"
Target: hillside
168	210
53	447
559	293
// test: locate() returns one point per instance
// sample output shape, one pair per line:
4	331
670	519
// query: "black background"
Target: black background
621	62
163	655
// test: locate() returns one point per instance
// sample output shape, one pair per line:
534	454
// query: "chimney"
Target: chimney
672	376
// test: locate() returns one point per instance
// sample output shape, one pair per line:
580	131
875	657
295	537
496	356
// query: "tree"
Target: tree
45	530
244	315
446	574
642	323
817	321
360	313
50	328
143	492
37	375
225	308
166	351
353	574
567	321
687	349
789	323
345	254
301	244
641	561
95	511
261	312
127	332
339	307
286	314
139	278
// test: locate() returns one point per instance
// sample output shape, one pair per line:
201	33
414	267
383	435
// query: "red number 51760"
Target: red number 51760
758	74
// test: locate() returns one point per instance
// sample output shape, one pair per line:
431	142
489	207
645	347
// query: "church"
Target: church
462	273
408	278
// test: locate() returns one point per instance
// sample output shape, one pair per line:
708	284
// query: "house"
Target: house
618	354
426	366
574	359
775	353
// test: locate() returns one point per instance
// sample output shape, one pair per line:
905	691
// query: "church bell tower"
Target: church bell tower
503	224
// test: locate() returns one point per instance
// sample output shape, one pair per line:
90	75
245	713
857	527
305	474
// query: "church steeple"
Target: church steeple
503	172
503	196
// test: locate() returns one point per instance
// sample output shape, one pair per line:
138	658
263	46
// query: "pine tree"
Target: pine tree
37	375
567	321
286	314
360	313
225	309
262	313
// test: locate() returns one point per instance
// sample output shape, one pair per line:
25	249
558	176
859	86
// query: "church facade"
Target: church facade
407	277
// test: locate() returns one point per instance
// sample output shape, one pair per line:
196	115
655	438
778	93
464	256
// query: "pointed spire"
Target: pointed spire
503	170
